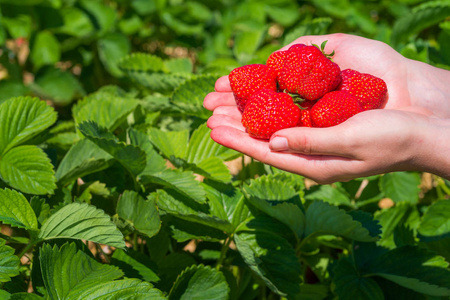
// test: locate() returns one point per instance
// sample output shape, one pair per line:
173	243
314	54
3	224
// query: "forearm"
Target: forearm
433	149
429	87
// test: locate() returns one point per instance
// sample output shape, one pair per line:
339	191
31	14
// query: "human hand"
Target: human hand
369	143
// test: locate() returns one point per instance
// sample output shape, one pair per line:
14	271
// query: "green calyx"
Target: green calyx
322	49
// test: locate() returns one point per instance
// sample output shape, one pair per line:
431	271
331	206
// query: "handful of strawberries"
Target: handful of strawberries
301	86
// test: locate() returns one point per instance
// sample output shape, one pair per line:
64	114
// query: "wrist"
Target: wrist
433	148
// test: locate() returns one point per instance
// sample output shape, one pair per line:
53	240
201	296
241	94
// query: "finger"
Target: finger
215	99
223	120
231	111
335	141
238	139
223	84
323	169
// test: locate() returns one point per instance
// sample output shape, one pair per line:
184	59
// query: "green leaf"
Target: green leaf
170	143
21	119
59	86
76	22
67	271
283	12
143	62
202	147
111	48
328	194
436	220
246	43
83	158
214	168
9	263
190	94
179	65
12	88
323	218
142	214
179	26
131	157
143	7
33	175
134	264
414	268
401	186
106	110
120	289
277	199
104	15
367	221
224	200
16	211
200	282
18	27
5	295
150	71
155	162
131	25
182	182
24	296
421	17
183	208
82	221
352	286
273	259
182	231
393	217
317	26
45	50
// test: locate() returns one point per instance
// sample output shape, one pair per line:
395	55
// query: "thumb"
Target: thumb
336	141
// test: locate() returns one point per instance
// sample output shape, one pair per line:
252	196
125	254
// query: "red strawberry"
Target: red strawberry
276	61
305	118
307	71
334	108
371	90
268	111
248	79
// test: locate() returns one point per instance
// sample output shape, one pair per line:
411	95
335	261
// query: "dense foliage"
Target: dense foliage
111	187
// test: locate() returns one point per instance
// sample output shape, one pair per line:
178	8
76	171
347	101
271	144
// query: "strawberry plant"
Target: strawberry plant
111	187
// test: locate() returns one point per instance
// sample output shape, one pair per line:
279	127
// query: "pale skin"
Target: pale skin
411	132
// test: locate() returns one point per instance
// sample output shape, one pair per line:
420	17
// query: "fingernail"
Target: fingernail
279	143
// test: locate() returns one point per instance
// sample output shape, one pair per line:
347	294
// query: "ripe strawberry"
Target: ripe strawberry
371	90
276	61
305	118
267	112
248	79
307	71
334	108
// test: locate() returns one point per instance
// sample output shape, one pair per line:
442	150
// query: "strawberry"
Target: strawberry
268	111
308	72
276	61
371	90
334	108
305	117
248	79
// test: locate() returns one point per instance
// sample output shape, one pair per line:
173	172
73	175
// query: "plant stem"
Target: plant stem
223	252
27	247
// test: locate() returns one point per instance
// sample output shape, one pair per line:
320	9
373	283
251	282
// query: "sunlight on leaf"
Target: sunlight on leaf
67	270
15	210
82	221
28	169
200	282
